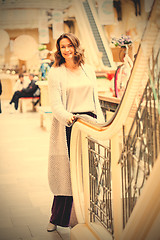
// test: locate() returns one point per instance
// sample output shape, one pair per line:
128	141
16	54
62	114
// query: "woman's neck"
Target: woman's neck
71	65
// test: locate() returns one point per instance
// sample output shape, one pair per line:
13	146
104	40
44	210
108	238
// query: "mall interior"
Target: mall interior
114	165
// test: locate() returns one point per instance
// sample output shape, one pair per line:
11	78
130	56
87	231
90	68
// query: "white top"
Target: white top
79	96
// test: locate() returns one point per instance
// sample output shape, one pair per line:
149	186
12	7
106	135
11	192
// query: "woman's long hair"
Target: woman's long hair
78	52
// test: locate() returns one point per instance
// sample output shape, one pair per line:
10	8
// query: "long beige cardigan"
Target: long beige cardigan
58	164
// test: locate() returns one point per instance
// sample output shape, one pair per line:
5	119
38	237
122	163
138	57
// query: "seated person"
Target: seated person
21	83
25	92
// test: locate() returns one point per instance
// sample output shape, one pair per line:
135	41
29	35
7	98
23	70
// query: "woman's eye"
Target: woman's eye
69	46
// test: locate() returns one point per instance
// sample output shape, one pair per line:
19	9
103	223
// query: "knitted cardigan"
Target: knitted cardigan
58	164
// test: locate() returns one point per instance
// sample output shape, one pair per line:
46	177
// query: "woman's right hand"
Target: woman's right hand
71	120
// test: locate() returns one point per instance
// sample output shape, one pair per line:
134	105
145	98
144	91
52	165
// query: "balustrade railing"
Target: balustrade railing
100	183
111	164
142	145
140	150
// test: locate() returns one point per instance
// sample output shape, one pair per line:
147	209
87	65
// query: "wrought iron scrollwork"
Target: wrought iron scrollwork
100	184
142	145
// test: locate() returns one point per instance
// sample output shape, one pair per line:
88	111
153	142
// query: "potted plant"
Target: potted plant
120	47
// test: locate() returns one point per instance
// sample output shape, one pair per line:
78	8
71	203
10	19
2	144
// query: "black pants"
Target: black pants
17	95
69	129
62	205
61	210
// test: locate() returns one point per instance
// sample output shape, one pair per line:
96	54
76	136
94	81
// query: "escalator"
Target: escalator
96	34
92	35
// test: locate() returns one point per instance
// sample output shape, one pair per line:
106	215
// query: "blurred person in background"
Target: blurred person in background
29	91
46	65
21	83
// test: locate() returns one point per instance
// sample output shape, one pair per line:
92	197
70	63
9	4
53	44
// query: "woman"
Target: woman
72	90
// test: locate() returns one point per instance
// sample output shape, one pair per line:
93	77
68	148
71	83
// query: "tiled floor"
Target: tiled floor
25	197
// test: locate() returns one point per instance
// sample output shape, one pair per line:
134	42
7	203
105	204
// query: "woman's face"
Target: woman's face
67	49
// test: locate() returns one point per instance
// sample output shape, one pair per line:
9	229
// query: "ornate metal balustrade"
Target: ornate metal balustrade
108	106
100	183
142	145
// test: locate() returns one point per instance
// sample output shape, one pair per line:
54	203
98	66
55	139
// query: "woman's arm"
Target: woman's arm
55	95
91	74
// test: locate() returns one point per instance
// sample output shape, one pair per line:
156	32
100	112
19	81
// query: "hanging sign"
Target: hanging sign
57	24
106	12
43	27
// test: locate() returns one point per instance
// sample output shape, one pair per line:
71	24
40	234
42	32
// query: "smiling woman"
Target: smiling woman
72	90
67	49
68	44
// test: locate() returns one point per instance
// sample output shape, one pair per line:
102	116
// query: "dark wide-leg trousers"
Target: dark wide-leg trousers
17	95
62	205
61	210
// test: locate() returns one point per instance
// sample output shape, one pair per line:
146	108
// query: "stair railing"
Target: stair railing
100	178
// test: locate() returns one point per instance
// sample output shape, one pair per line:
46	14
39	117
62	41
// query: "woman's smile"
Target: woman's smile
66	48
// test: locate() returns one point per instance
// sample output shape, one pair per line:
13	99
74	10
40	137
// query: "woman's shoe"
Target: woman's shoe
51	227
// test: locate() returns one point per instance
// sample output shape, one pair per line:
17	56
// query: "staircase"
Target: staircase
93	38
96	34
115	166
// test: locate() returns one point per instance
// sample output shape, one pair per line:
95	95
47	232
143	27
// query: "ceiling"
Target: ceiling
44	4
19	14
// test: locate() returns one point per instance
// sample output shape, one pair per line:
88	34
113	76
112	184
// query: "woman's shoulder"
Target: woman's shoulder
88	68
56	70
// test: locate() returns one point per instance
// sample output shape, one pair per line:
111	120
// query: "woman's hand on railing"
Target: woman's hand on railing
90	121
71	120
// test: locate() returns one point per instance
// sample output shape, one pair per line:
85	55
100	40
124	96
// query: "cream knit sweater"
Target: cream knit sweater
58	165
